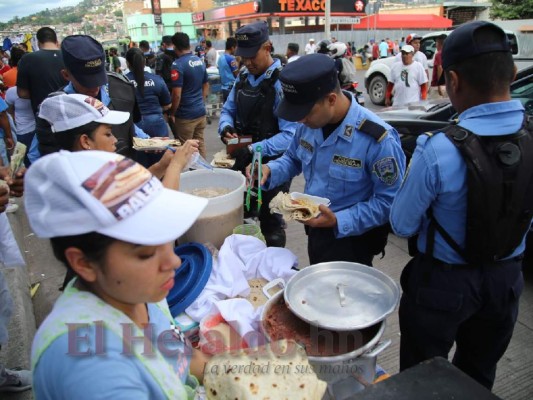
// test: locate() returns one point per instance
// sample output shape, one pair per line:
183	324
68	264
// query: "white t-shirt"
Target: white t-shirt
407	80
293	58
310	48
24	117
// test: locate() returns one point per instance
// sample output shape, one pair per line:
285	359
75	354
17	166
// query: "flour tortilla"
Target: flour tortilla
256	296
154	143
294	209
221	159
278	372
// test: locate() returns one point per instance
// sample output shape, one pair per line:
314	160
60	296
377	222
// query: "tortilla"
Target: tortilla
222	160
274	371
154	143
256	296
294	209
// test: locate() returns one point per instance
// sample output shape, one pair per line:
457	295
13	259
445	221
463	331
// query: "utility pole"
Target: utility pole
327	20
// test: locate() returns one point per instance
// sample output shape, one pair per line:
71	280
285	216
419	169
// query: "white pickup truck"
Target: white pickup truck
378	74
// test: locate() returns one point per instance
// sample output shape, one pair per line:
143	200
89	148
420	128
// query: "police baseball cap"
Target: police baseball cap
304	82
84	58
461	44
250	38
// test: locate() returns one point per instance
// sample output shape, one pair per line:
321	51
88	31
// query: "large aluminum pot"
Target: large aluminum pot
347	373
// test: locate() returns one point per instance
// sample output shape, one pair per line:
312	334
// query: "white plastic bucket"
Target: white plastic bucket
223	213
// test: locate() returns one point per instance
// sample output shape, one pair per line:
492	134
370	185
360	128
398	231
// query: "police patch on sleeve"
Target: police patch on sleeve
386	170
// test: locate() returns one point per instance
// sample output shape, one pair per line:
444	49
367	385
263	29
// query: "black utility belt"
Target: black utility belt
498	264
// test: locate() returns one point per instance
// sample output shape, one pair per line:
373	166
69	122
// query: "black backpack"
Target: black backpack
500	193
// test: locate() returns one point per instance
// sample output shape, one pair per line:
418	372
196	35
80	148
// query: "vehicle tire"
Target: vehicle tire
377	90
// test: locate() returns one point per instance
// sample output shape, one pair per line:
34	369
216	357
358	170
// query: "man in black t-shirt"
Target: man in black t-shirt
39	73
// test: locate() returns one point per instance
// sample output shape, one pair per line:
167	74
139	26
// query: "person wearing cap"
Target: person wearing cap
347	155
414	40
292	52
445	299
228	67
190	88
408	80
250	111
84	59
81	122
39	72
310	47
110	332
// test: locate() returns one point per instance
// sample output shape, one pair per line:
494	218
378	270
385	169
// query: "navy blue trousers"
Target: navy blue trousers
475	307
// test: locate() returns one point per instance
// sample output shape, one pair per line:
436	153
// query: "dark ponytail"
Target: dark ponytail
135	59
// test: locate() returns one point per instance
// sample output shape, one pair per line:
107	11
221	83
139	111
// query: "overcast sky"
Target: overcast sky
23	8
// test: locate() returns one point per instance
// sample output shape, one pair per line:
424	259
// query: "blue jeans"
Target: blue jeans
154	125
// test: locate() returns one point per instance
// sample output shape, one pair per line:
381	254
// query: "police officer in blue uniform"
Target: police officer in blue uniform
249	110
346	153
446	299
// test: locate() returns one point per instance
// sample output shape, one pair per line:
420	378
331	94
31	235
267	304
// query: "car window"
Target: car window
428	46
523	90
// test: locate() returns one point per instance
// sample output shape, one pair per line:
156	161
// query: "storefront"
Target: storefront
282	15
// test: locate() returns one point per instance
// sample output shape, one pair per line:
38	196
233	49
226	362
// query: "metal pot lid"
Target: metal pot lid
341	295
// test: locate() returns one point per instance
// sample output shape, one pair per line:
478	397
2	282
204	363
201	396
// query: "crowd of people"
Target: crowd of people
113	216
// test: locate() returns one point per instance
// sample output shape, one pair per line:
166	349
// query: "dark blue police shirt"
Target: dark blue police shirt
156	94
189	73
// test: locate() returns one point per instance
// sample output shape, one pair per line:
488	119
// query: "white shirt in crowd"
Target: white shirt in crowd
24	117
407	80
310	48
293	58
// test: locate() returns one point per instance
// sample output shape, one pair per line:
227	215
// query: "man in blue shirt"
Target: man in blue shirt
346	153
445	298
189	92
228	67
249	111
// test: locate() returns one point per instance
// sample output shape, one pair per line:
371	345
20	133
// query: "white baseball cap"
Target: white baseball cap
68	111
94	191
408	48
311	40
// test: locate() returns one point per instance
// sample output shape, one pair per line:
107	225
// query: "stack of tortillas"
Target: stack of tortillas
293	209
256	296
279	370
222	160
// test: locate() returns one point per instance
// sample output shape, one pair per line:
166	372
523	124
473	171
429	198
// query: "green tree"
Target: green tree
511	9
118	13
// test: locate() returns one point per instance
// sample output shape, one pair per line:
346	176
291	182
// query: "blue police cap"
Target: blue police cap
304	82
250	38
84	58
461	44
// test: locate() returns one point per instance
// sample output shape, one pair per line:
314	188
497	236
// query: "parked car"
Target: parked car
424	116
377	76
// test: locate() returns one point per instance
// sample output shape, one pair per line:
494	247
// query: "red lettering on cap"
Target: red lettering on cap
174	75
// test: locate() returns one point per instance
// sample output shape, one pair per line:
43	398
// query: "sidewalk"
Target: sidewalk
514	379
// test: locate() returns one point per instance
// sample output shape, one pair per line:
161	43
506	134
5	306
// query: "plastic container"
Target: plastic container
250	230
223	213
190	278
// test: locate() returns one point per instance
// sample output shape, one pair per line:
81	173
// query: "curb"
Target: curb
22	324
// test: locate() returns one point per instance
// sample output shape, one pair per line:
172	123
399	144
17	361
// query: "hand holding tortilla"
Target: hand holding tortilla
298	208
278	370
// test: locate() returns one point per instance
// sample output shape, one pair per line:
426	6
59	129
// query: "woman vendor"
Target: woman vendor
110	334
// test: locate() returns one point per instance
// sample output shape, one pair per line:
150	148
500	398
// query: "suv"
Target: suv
377	76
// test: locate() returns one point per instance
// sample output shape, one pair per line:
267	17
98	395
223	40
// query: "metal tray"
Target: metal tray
341	295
